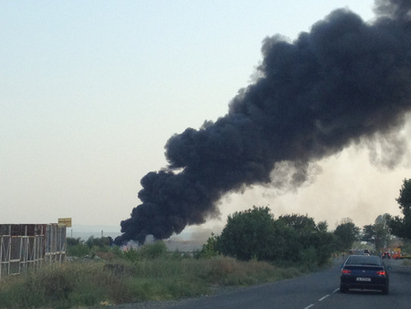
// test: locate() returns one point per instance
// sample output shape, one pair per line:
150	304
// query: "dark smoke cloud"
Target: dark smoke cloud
394	9
344	82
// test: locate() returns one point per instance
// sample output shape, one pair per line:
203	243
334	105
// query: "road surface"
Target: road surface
313	291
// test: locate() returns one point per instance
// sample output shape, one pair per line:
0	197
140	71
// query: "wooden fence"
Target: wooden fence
30	245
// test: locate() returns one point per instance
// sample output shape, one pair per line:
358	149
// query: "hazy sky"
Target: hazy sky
90	92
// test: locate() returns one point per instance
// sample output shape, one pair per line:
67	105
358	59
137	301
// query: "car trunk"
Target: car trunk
364	275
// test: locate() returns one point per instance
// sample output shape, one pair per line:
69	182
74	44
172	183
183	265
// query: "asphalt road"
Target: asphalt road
317	290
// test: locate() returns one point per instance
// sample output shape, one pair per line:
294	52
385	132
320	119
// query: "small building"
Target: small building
30	245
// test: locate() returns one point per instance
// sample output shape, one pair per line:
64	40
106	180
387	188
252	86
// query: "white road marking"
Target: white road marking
324	297
321	299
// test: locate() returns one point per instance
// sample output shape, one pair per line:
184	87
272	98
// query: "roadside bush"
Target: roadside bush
220	269
78	250
147	251
153	251
131	255
209	249
255	234
99	242
66	286
309	258
248	234
92	247
73	241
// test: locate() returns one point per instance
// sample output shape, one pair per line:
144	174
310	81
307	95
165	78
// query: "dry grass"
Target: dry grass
98	282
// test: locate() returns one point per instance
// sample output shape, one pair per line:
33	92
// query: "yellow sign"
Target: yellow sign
65	221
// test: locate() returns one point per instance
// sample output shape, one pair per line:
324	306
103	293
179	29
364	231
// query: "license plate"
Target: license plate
363	279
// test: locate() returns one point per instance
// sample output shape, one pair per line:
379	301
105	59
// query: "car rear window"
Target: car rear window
363	260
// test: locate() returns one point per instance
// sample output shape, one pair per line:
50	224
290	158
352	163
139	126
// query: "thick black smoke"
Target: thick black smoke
344	82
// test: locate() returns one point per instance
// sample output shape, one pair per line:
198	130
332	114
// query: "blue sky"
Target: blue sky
90	92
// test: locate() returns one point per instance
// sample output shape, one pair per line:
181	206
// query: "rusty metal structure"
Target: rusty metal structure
24	246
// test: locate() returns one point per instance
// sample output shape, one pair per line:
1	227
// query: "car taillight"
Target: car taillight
346	272
381	273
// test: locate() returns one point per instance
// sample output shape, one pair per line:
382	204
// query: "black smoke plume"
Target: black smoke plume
345	82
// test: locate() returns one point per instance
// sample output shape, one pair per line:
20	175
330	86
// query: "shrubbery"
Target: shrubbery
80	248
256	234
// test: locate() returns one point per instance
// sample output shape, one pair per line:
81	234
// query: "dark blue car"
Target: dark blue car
365	273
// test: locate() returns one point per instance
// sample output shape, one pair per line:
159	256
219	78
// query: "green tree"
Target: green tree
209	249
313	244
404	200
368	233
293	238
324	242
401	227
99	242
322	226
346	233
153	251
300	223
378	233
249	234
73	241
77	247
286	243
254	233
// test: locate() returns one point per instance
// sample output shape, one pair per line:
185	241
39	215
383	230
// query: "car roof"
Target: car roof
363	260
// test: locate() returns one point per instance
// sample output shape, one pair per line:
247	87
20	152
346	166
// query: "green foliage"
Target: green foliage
404	200
322	226
92	247
309	256
79	250
131	255
99	242
312	244
255	234
147	251
378	233
67	286
248	234
209	249
73	241
346	233
153	251
401	227
76	247
301	224
116	251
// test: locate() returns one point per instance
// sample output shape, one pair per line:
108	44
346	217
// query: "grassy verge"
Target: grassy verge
118	280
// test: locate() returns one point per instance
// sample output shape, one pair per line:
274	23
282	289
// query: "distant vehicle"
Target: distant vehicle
398	254
386	254
365	273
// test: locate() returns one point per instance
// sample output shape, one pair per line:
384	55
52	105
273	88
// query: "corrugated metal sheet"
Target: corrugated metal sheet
30	245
